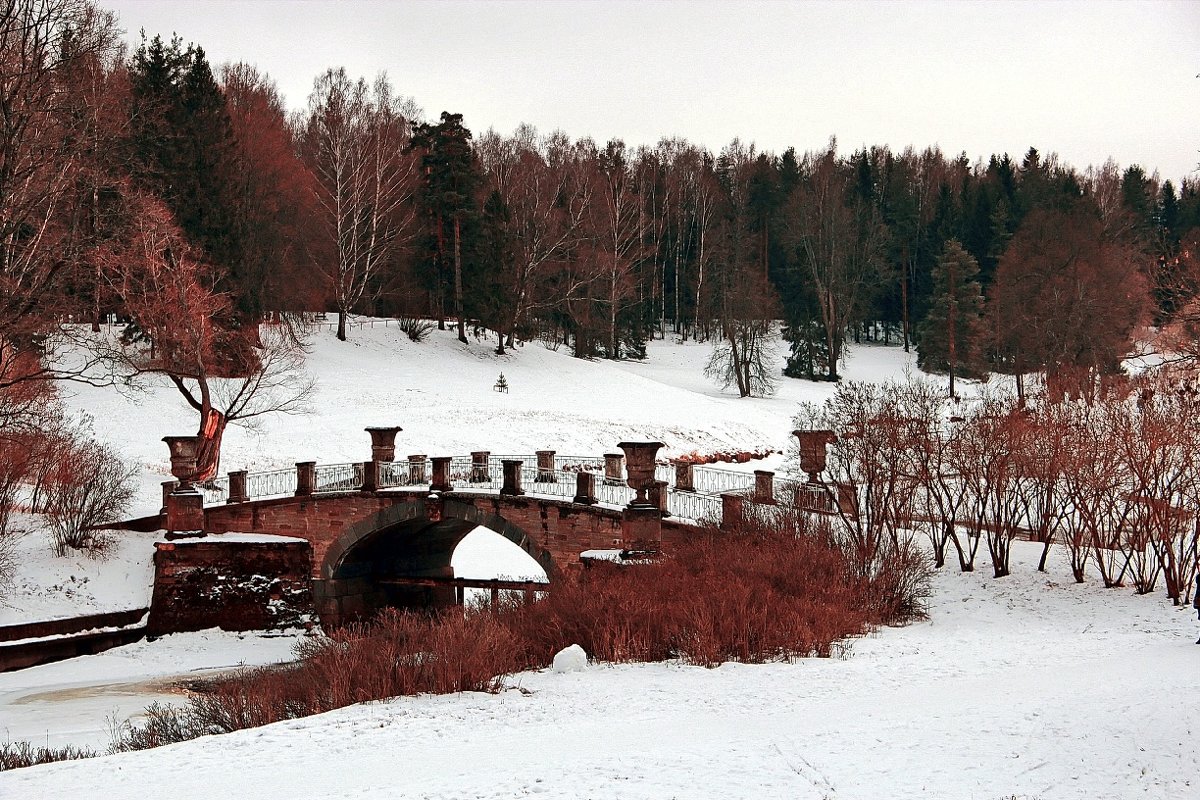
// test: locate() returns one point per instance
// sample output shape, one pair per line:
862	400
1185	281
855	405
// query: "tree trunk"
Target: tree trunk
458	290
341	329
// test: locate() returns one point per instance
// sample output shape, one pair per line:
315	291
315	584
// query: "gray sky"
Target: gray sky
1086	80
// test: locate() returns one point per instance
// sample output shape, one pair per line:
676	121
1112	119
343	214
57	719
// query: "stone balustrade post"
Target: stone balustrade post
641	529
383	443
416	470
306	478
370	476
764	486
441	474
512	477
612	469
733	511
658	496
545	467
585	488
479	466
237	487
684	476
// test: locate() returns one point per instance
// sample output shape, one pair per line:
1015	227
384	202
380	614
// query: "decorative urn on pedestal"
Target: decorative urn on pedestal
639	467
184	452
812	452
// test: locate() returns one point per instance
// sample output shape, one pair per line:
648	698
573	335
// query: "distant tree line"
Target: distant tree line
358	204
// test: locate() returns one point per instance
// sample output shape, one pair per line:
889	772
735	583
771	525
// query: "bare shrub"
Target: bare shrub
397	654
760	593
88	485
756	595
17	755
416	329
162	725
15	458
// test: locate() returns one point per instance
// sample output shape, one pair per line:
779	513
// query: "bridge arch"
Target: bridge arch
405	540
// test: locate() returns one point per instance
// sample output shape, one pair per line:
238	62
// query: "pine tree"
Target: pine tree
492	295
155	73
450	177
206	203
951	337
183	150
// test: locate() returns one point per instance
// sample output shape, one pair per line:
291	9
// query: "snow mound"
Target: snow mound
570	659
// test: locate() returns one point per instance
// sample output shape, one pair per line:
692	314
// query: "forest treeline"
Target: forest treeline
151	186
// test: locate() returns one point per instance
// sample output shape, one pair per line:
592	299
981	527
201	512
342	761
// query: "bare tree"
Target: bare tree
44	150
547	190
620	226
225	373
744	355
926	459
354	139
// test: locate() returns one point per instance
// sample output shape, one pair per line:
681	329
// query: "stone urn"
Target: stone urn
184	452
383	443
639	467
812	452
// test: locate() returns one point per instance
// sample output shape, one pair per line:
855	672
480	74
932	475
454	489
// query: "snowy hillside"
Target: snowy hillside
440	393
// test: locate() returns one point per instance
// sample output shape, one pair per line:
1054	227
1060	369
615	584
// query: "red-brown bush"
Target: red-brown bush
753	596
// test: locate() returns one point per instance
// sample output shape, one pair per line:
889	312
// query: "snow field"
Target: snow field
1030	686
1026	687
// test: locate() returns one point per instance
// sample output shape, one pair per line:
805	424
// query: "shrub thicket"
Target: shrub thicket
763	593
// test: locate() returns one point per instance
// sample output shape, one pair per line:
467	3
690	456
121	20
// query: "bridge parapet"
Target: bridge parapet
698	501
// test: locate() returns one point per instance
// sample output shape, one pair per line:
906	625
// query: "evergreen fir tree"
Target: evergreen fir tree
951	337
450	177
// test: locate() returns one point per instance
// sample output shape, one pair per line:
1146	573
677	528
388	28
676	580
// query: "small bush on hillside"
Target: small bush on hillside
16	755
87	486
416	329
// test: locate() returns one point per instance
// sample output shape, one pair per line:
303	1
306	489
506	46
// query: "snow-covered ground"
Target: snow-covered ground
440	393
1027	687
1030	686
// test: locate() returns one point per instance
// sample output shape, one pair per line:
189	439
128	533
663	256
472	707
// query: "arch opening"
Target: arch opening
404	560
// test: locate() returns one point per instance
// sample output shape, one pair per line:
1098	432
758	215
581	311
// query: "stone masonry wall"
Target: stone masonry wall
233	585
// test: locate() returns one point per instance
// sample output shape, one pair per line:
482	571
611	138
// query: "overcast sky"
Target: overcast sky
1086	80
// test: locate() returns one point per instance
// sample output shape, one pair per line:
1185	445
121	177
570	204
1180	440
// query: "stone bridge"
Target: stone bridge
348	539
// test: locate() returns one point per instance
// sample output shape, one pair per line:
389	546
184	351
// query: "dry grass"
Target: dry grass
15	755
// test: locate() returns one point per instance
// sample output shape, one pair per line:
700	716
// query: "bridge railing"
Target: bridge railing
614	494
698	507
719	481
704	504
215	491
269	484
574	464
563	484
396	473
339	477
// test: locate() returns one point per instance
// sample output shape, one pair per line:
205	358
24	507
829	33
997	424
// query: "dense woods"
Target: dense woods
356	203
